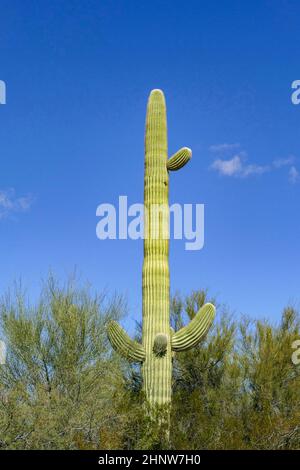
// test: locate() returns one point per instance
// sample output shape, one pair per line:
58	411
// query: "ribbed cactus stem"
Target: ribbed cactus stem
160	342
157	370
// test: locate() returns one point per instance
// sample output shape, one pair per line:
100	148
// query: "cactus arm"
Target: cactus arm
125	346
179	159
190	335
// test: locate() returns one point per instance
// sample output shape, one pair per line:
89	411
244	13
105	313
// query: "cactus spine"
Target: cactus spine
158	342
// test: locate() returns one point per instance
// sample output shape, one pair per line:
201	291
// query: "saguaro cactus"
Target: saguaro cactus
159	341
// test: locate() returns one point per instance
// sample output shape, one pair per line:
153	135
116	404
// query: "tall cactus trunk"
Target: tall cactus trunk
157	369
159	344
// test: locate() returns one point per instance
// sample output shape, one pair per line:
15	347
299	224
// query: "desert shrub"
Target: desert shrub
64	388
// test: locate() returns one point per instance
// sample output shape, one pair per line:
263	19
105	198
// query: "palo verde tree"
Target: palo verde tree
60	387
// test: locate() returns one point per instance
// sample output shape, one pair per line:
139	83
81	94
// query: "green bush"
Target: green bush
63	388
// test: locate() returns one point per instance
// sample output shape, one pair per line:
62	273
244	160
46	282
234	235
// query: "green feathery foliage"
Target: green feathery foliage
61	388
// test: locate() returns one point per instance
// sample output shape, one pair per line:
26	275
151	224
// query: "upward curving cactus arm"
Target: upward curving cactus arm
125	346
191	334
179	159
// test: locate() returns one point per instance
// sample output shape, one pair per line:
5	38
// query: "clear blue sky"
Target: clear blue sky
78	75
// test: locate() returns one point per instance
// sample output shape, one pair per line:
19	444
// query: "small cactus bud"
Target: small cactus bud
160	344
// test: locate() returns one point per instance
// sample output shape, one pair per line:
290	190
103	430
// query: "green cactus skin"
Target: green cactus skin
159	340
